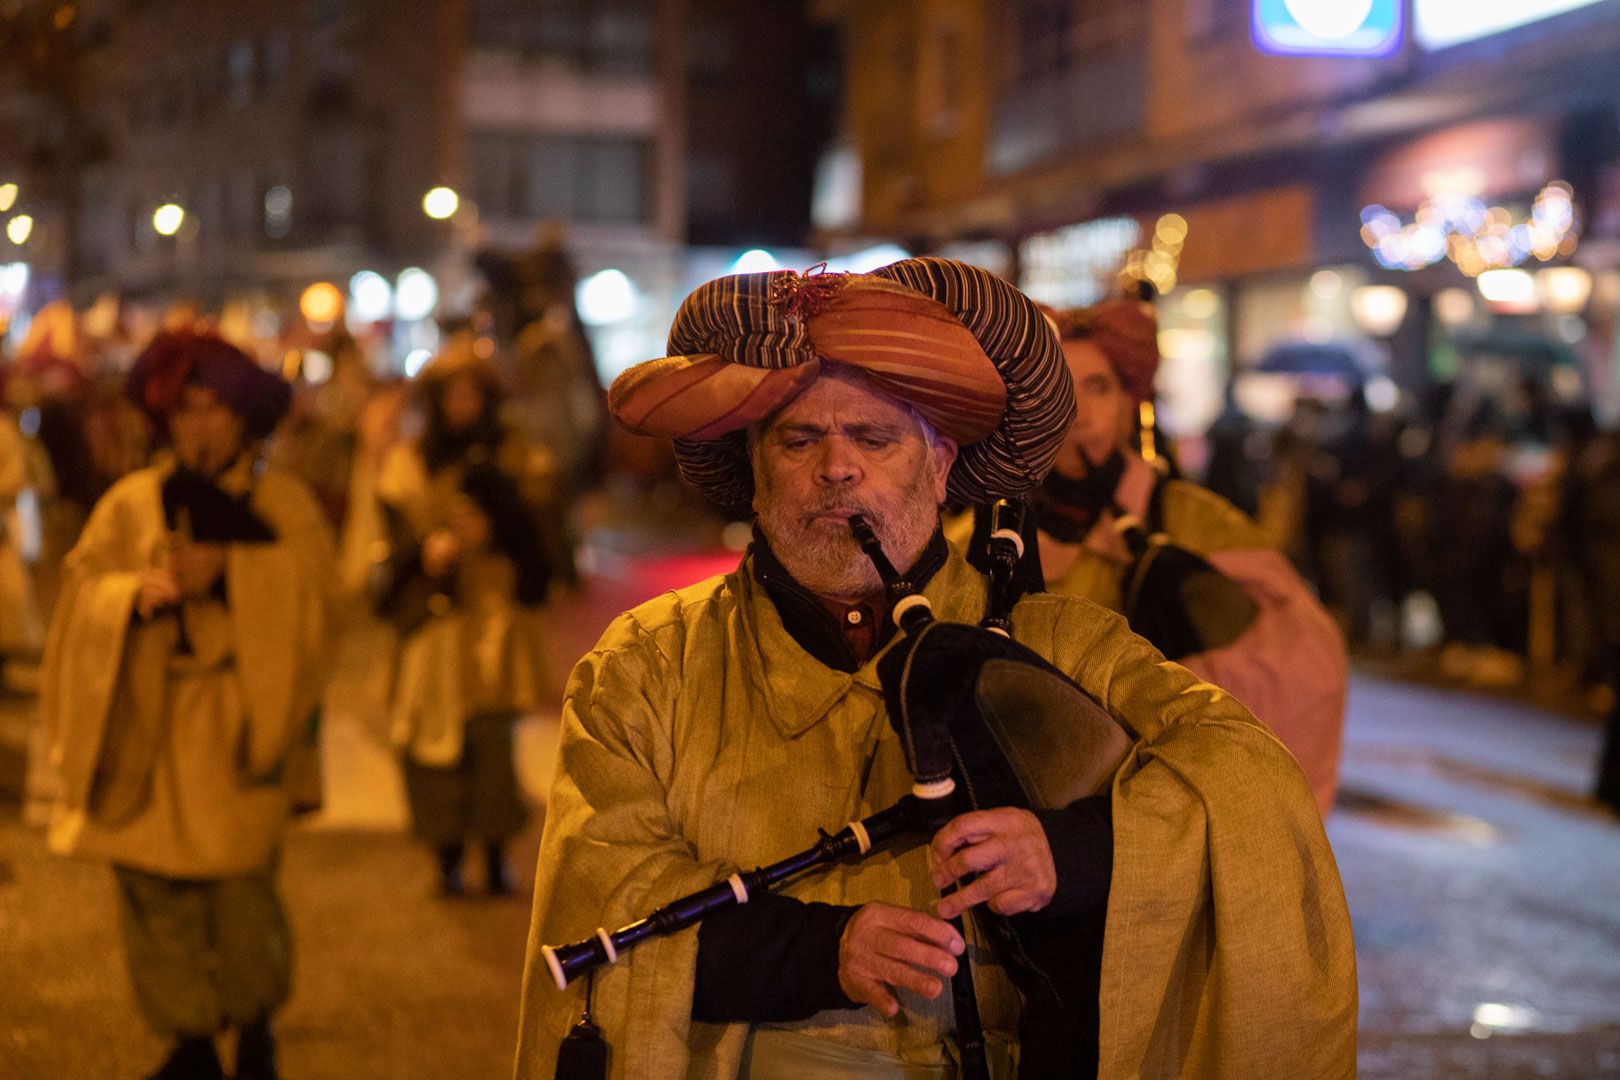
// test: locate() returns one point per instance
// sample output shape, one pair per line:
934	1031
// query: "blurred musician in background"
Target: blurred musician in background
457	514
181	678
1274	647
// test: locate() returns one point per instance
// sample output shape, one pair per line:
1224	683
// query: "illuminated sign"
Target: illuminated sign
1075	266
1328	27
1440	23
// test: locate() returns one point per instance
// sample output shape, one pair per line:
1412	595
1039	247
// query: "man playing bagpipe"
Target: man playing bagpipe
180	681
1199	924
1205	588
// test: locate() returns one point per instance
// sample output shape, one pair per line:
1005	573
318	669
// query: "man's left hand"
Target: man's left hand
1007	848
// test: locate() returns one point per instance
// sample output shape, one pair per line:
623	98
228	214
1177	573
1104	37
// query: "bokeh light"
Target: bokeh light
168	218
440	203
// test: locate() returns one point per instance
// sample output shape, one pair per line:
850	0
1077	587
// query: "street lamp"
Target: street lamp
1508	290
440	204
18	228
321	303
415	294
168	218
1564	289
8	196
1378	309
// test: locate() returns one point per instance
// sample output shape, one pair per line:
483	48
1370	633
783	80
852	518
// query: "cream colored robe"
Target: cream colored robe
699	738
19	617
185	765
486	653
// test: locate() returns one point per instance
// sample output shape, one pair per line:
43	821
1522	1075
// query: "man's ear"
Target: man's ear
944	451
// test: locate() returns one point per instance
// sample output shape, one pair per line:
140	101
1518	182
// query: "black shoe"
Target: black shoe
450	880
497	876
191	1059
256	1052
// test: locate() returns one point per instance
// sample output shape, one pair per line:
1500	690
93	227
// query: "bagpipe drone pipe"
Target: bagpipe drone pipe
986	722
1170	595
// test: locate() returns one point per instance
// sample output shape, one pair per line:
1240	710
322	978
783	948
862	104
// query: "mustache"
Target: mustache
842	504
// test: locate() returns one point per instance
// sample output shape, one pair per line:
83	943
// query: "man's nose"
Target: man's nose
838	462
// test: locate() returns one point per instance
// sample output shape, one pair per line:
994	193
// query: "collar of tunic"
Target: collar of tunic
799	689
841	636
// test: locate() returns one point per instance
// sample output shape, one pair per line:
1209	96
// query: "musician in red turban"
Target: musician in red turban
1265	638
716	728
180	681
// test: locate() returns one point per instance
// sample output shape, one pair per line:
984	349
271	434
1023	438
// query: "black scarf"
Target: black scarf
1068	508
809	622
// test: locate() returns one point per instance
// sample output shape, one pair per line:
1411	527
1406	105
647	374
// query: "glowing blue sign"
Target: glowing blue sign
1439	23
1328	27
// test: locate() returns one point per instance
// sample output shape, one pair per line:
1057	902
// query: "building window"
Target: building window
246	205
1053	36
582	178
1043	32
239	68
1218	20
328	11
1079	74
275	54
137	227
278	211
712	190
940	82
208	81
712	53
609	36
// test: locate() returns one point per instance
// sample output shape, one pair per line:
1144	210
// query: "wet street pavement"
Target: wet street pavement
1484	888
1482	884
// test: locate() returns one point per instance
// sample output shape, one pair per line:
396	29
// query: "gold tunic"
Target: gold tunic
699	738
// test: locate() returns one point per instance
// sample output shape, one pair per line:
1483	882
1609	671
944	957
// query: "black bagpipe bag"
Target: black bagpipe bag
1182	604
1013	730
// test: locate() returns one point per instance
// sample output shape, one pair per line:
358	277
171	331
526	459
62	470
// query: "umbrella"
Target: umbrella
1308	358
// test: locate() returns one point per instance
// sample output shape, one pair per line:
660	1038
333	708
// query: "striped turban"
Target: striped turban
972	354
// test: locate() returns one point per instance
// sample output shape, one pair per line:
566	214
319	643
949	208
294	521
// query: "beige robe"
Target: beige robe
699	738
186	766
19	617
484	654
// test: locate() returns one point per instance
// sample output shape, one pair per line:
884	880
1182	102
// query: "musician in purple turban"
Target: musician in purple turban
180	682
716	728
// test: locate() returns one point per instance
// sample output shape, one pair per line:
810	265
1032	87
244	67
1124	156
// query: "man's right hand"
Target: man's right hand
885	948
158	590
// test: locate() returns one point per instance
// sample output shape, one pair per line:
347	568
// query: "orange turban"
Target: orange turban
1126	333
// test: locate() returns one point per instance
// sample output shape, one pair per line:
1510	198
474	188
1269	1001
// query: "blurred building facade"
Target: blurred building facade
1059	140
300	140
